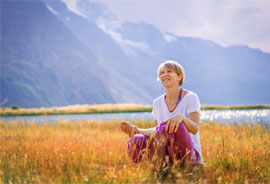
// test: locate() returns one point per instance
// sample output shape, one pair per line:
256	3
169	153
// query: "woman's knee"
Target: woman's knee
138	139
182	128
136	145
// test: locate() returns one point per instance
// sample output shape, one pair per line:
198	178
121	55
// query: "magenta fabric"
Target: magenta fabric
136	146
179	145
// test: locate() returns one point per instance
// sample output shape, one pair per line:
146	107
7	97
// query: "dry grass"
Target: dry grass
234	107
77	109
107	108
95	152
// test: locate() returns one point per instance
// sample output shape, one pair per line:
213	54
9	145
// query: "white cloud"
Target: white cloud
105	22
227	22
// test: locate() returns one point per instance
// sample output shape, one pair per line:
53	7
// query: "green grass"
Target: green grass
108	108
234	107
77	109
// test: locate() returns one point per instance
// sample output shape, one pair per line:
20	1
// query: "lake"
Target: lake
221	116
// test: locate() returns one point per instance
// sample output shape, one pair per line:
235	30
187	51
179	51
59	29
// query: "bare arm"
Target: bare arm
149	131
131	129
192	122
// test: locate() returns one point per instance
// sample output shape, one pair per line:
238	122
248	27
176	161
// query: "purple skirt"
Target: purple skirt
179	145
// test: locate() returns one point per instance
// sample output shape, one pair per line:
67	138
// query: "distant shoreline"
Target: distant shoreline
108	108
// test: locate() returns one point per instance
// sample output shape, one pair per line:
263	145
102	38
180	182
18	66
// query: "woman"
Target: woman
177	114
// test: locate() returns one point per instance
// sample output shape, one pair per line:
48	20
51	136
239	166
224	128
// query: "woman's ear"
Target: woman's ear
180	77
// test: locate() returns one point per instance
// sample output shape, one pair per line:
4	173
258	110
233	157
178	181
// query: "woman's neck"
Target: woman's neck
172	93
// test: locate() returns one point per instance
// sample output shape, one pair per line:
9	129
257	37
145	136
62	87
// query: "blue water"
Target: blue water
221	116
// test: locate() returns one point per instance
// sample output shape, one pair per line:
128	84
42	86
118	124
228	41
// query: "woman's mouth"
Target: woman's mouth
165	80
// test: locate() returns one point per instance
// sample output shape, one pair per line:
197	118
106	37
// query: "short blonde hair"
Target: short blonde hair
174	66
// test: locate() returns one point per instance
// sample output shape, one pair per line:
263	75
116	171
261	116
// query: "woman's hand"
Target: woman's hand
134	130
129	129
173	123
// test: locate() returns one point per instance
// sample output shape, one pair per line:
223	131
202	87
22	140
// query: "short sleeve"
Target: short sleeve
154	111
193	104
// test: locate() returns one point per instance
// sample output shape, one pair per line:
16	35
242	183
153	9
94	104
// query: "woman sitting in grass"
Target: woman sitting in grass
177	116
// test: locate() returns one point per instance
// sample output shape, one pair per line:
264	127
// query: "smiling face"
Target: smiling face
171	73
168	77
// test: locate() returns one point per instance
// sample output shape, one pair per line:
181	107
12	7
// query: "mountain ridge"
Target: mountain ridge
117	63
40	52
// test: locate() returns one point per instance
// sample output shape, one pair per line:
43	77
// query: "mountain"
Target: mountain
118	65
43	63
220	75
54	56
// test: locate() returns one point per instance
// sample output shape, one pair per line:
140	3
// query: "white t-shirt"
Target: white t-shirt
188	104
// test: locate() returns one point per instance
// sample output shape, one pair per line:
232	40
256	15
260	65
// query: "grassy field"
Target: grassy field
106	108
95	152
234	107
77	109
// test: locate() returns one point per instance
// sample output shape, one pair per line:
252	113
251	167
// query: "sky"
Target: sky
226	22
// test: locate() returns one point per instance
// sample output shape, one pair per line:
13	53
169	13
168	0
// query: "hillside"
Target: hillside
52	56
42	62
